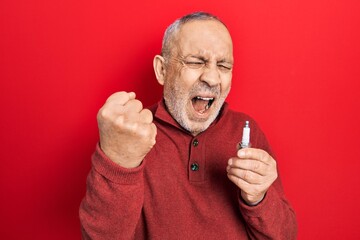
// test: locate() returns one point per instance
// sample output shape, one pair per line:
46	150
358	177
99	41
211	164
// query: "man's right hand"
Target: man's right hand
127	131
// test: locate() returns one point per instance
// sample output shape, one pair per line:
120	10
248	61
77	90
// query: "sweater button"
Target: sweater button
194	167
195	142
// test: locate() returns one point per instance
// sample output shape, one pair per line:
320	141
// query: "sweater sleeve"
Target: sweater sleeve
273	217
111	208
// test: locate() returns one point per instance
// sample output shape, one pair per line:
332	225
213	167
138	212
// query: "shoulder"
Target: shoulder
232	114
233	117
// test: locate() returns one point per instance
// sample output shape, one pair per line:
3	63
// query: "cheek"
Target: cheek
226	83
188	78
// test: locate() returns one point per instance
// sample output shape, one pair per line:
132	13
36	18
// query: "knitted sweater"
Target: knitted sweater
181	189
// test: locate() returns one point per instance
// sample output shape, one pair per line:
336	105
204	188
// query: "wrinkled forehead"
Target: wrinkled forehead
204	37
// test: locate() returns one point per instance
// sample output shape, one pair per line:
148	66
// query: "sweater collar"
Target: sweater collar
162	114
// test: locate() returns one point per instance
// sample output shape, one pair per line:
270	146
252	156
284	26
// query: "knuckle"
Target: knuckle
251	177
121	94
245	175
275	175
153	126
255	165
103	113
154	129
133	127
115	96
145	132
147	115
100	114
139	103
120	121
134	105
238	182
257	189
263	154
275	164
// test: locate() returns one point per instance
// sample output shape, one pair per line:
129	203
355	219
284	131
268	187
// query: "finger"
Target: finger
246	175
147	132
131	117
133	105
151	132
113	108
127	123
248	164
255	154
121	97
243	185
146	116
248	188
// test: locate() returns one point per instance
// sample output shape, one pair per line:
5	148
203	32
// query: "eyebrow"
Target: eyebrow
196	56
202	58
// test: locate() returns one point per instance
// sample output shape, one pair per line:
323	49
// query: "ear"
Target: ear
159	69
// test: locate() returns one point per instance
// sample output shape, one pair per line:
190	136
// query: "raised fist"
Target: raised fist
127	131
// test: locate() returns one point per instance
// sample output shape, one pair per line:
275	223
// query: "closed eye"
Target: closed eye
194	64
224	67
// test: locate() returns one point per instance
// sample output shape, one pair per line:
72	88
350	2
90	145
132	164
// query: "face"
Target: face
198	74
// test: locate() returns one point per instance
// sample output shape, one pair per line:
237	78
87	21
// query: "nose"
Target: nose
210	75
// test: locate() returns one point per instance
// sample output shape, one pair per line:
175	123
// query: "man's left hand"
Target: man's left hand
253	171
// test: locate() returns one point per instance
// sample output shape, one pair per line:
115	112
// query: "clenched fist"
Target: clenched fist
127	131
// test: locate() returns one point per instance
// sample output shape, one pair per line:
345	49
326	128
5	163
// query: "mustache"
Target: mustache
204	88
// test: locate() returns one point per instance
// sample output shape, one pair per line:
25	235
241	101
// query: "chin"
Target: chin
184	114
197	126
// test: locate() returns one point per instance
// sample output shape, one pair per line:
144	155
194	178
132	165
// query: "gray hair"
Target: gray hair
171	31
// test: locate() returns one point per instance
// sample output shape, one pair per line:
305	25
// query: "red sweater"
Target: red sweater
181	189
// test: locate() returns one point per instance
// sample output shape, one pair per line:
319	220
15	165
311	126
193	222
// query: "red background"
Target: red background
297	72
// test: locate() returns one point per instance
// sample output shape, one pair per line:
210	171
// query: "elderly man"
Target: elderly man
173	171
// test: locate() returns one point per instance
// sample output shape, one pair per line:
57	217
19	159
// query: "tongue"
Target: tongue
200	105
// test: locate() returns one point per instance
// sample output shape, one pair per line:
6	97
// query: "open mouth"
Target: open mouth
202	104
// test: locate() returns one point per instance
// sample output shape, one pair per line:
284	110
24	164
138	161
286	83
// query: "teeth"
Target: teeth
205	99
208	99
